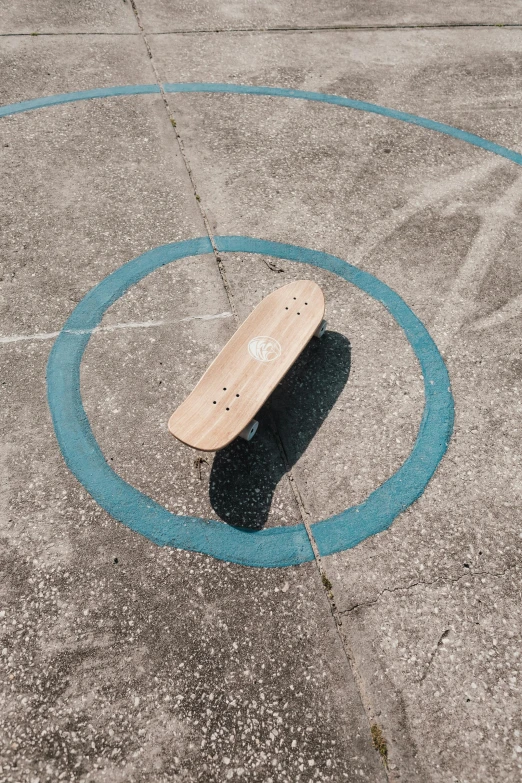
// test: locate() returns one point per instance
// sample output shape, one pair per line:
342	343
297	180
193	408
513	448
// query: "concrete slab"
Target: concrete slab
171	15
124	660
36	66
454	647
74	179
435	219
60	16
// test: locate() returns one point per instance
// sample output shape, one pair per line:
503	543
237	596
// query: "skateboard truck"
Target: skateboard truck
321	329
248	432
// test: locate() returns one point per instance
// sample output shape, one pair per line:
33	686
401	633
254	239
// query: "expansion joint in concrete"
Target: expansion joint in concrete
37	34
339	28
268	30
184	157
305	515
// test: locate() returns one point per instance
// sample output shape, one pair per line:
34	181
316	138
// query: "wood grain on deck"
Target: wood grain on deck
236	384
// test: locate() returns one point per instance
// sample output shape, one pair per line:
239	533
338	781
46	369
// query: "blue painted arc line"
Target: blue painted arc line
350	103
377	512
279	92
72	97
272	547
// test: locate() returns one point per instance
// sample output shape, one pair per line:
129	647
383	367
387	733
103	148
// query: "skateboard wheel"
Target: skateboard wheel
250	430
321	329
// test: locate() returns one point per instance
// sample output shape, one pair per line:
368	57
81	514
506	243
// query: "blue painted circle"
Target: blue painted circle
276	546
273	547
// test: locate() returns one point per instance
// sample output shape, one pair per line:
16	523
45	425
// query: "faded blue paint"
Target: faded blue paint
349	103
378	511
274	547
278	92
72	97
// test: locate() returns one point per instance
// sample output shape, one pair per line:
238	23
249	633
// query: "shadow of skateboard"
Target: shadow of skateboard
245	475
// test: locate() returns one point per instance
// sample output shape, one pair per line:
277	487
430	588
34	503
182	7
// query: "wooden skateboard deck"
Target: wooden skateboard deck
249	367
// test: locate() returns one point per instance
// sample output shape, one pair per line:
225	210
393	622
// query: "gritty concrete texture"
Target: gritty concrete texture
397	660
437	221
36	66
128	662
171	15
95	176
34	17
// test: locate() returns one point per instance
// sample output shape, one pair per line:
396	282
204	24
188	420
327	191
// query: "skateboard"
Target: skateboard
244	374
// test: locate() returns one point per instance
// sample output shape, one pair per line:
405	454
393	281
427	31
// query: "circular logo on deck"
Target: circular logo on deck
264	349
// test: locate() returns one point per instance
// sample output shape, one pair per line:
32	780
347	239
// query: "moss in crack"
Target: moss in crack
173	122
326	582
379	743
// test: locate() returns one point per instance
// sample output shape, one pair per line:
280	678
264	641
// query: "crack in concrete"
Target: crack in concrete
336	615
341	28
434	652
283	29
441	579
184	157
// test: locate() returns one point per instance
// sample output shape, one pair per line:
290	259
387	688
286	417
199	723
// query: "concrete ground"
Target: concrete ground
398	659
